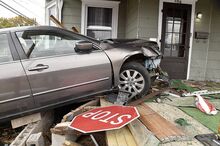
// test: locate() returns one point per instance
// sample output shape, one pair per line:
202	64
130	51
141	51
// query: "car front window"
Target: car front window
46	44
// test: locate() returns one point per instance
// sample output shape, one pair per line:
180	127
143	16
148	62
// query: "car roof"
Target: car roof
22	28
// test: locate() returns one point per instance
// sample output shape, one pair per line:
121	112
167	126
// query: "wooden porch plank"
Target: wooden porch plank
128	137
163	129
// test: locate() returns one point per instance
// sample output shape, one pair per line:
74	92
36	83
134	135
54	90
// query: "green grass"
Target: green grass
210	121
179	85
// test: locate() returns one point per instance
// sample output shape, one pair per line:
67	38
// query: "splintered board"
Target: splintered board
163	129
119	137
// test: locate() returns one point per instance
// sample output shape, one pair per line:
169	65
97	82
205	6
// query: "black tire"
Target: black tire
142	71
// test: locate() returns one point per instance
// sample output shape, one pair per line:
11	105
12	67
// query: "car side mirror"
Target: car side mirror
84	46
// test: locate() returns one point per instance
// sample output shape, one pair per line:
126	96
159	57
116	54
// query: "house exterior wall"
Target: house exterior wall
213	59
200	47
148	19
122	18
131	24
72	14
206	53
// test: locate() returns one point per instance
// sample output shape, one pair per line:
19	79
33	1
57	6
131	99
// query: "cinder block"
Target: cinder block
20	140
35	140
41	126
58	140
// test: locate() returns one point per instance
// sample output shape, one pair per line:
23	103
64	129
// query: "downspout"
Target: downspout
138	21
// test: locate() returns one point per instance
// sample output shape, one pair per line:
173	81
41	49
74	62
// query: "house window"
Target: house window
100	19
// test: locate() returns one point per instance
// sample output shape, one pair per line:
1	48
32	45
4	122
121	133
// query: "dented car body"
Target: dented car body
43	67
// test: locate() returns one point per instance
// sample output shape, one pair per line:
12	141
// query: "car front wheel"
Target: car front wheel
134	79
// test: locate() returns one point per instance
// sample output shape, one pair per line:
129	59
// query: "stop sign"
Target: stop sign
104	118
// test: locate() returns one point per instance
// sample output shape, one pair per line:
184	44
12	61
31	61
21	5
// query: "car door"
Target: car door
56	72
15	94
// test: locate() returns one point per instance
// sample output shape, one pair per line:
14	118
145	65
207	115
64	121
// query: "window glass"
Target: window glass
99	16
99	22
5	53
46	44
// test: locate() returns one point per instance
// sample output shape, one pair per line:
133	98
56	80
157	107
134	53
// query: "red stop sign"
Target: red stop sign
104	118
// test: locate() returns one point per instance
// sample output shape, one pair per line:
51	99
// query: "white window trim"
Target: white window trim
104	4
58	10
191	2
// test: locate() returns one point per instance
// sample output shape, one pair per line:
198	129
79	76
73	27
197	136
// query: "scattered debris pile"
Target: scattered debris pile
141	132
154	125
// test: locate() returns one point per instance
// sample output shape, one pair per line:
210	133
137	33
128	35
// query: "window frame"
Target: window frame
114	5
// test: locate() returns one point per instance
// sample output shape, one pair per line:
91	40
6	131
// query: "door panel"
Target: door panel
175	39
15	93
76	75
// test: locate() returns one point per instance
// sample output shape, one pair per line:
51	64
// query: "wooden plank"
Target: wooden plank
142	135
128	136
119	137
163	129
111	138
59	24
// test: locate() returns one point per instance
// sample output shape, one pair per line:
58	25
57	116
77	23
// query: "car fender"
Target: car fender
118	58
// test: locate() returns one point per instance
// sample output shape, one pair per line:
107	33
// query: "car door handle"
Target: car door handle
39	67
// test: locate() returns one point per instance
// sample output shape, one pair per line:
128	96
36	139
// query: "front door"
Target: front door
175	39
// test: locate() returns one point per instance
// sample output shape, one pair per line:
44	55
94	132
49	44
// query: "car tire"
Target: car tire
134	78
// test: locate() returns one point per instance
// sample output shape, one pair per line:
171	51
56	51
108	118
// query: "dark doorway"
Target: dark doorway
175	39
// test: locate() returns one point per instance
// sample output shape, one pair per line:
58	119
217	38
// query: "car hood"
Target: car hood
147	47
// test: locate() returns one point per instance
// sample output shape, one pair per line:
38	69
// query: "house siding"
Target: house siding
71	14
205	53
131	24
122	18
200	47
148	19
213	59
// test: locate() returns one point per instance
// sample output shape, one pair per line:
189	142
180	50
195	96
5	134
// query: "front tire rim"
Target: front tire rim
131	81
